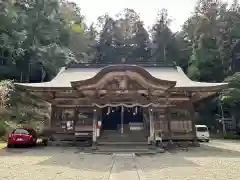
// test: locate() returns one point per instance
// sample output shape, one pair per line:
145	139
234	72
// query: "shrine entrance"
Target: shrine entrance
111	118
122	118
133	115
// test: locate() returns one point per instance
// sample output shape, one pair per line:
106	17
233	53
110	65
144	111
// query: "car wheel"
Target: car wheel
34	144
10	146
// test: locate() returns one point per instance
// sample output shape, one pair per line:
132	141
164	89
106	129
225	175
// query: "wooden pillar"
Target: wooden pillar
53	116
192	116
151	122
75	118
167	114
76	112
53	112
122	116
94	136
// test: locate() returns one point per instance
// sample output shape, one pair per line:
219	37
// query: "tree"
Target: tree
140	44
230	97
104	46
131	39
35	25
123	39
80	39
6	89
164	47
206	62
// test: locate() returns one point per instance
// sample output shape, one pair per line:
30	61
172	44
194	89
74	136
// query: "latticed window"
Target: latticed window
229	126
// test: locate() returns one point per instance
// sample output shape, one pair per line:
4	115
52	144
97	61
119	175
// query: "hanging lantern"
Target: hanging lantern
134	112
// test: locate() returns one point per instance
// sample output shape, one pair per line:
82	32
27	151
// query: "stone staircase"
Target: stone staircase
126	137
129	142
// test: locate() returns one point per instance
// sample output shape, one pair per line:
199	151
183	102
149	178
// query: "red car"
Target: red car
22	136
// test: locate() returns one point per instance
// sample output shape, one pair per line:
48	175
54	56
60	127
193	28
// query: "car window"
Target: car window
20	131
202	129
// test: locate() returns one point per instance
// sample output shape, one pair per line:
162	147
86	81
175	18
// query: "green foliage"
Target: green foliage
231	135
2	129
28	108
6	91
231	95
38	37
167	47
34	36
17	105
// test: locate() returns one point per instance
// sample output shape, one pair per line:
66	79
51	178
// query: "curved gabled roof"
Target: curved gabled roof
66	76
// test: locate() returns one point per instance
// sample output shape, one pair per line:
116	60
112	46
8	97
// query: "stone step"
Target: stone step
123	136
128	149
123	139
122	142
121	150
114	136
126	132
124	146
114	149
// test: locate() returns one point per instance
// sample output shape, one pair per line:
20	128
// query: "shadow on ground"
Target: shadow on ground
208	151
71	157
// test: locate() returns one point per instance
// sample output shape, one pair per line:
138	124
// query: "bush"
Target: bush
231	135
2	129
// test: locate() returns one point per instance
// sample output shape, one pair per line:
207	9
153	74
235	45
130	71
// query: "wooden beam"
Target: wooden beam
71	99
72	105
144	79
43	89
44	96
67	95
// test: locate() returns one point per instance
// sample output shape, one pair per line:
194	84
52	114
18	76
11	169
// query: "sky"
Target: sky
178	10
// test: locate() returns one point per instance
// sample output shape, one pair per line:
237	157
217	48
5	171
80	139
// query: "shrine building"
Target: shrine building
141	101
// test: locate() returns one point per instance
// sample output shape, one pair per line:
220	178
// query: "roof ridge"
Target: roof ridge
101	65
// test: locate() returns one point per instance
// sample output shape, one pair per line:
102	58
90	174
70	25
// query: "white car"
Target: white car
202	133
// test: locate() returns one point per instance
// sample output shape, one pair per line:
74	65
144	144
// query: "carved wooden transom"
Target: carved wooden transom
121	83
121	80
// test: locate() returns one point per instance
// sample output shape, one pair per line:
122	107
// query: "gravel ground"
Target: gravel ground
214	161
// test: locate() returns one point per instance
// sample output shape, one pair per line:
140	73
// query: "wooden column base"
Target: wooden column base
94	146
